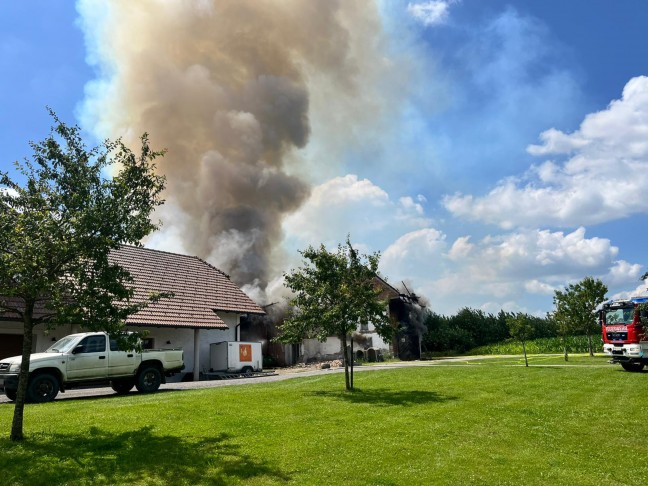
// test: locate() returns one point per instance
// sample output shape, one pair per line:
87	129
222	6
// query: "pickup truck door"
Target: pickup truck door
89	359
121	362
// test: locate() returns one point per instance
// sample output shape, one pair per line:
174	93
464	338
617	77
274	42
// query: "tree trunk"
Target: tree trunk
345	354
351	358
526	361
28	338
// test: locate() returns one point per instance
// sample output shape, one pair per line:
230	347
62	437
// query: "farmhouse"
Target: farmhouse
206	307
404	311
366	339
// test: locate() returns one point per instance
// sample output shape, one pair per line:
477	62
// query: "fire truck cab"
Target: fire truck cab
624	339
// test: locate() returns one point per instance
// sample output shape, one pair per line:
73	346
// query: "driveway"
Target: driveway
280	375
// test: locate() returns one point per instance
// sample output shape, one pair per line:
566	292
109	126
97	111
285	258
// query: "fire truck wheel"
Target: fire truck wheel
635	367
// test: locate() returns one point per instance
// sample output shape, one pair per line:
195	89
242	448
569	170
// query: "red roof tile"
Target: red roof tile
199	289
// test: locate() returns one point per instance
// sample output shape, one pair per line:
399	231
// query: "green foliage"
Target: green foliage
334	293
521	328
642	309
471	328
487	423
575	308
57	229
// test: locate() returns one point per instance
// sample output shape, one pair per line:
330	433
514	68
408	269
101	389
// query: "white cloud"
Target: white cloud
433	12
348	204
604	179
537	287
509	270
408	204
501	268
535	254
461	248
420	247
556	142
639	290
623	272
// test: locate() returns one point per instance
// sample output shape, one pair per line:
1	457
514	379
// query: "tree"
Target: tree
521	328
334	292
564	327
57	229
576	306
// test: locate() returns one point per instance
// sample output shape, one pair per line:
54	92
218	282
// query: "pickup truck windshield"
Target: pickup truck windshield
62	345
619	316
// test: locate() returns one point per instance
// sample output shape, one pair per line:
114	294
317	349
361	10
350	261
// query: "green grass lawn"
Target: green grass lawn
486	422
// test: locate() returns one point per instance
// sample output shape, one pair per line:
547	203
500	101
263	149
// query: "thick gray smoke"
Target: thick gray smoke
224	86
417	308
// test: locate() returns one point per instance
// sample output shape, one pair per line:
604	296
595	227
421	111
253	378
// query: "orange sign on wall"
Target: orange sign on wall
245	352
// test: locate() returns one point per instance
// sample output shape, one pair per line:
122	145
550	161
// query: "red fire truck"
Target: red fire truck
623	333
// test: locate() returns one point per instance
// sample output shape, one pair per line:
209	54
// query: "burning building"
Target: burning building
407	313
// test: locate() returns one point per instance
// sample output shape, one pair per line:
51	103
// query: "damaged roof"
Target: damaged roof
199	289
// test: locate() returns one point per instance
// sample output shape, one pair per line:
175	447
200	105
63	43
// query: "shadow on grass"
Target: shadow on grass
386	396
75	395
109	393
136	457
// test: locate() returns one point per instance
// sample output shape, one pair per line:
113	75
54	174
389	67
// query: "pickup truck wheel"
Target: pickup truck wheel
122	387
636	367
42	388
149	380
11	394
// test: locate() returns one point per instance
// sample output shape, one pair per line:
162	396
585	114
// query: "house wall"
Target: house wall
313	350
43	339
163	338
377	342
332	348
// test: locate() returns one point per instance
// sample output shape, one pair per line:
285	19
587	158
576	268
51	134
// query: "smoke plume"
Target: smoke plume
223	85
417	307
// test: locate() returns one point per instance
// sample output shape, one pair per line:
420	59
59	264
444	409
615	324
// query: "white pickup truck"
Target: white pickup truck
91	357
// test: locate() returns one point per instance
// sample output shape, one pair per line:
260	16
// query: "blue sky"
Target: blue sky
492	151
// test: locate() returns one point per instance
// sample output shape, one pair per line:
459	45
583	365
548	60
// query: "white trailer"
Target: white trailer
236	357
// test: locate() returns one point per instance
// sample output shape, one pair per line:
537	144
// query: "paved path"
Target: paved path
106	391
84	393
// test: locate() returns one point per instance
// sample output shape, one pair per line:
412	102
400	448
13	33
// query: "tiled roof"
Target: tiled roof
199	289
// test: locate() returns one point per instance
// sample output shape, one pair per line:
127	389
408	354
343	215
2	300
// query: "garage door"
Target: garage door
10	345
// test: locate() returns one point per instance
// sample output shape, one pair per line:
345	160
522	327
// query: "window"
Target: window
619	316
93	344
148	343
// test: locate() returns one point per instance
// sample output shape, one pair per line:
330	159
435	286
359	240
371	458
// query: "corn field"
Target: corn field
575	344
